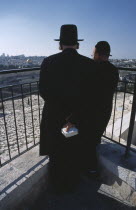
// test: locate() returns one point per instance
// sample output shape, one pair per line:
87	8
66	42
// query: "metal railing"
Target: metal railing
20	112
121	128
21	109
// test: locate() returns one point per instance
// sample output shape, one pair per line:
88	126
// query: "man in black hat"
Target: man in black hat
106	85
63	85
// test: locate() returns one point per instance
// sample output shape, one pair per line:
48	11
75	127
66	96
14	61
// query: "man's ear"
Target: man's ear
60	46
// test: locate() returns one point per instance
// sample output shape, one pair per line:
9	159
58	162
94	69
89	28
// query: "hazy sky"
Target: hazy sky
29	26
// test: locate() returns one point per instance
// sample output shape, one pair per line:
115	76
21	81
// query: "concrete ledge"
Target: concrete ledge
22	180
118	172
124	130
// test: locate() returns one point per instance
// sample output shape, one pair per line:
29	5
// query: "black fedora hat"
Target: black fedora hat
68	35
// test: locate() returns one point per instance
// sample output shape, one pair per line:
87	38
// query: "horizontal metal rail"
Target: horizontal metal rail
38	68
9	71
126	69
19	96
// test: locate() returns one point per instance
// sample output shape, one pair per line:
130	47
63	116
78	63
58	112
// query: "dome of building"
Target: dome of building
29	61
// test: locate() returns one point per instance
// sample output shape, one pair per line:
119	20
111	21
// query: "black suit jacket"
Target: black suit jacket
64	85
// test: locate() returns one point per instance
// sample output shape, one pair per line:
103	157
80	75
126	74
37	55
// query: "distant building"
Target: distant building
3	55
29	62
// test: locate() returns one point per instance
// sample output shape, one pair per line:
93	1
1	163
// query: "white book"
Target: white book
72	132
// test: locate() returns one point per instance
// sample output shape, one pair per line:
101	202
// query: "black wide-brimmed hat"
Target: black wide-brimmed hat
68	35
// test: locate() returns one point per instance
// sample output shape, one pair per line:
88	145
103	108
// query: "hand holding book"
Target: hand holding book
69	130
68	125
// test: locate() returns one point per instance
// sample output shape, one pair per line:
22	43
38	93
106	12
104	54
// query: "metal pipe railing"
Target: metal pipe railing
132	122
9	71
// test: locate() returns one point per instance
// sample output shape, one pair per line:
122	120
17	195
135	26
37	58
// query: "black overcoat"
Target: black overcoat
105	87
65	87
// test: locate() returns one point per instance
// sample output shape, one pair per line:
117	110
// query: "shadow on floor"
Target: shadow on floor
86	197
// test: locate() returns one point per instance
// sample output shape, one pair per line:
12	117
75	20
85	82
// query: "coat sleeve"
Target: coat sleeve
116	79
81	106
53	96
74	117
104	114
43	80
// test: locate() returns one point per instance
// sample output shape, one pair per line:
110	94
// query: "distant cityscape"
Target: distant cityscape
19	61
126	63
22	61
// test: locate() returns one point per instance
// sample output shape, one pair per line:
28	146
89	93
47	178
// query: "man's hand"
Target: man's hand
68	126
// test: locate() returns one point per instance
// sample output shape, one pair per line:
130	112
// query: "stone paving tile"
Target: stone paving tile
88	196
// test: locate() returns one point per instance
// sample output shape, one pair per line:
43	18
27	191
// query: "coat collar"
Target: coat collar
70	50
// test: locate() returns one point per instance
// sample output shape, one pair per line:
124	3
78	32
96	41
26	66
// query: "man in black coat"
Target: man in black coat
107	81
64	86
104	87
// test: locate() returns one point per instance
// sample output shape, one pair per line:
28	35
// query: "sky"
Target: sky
30	26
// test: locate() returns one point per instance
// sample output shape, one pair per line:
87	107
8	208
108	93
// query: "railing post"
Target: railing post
132	122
